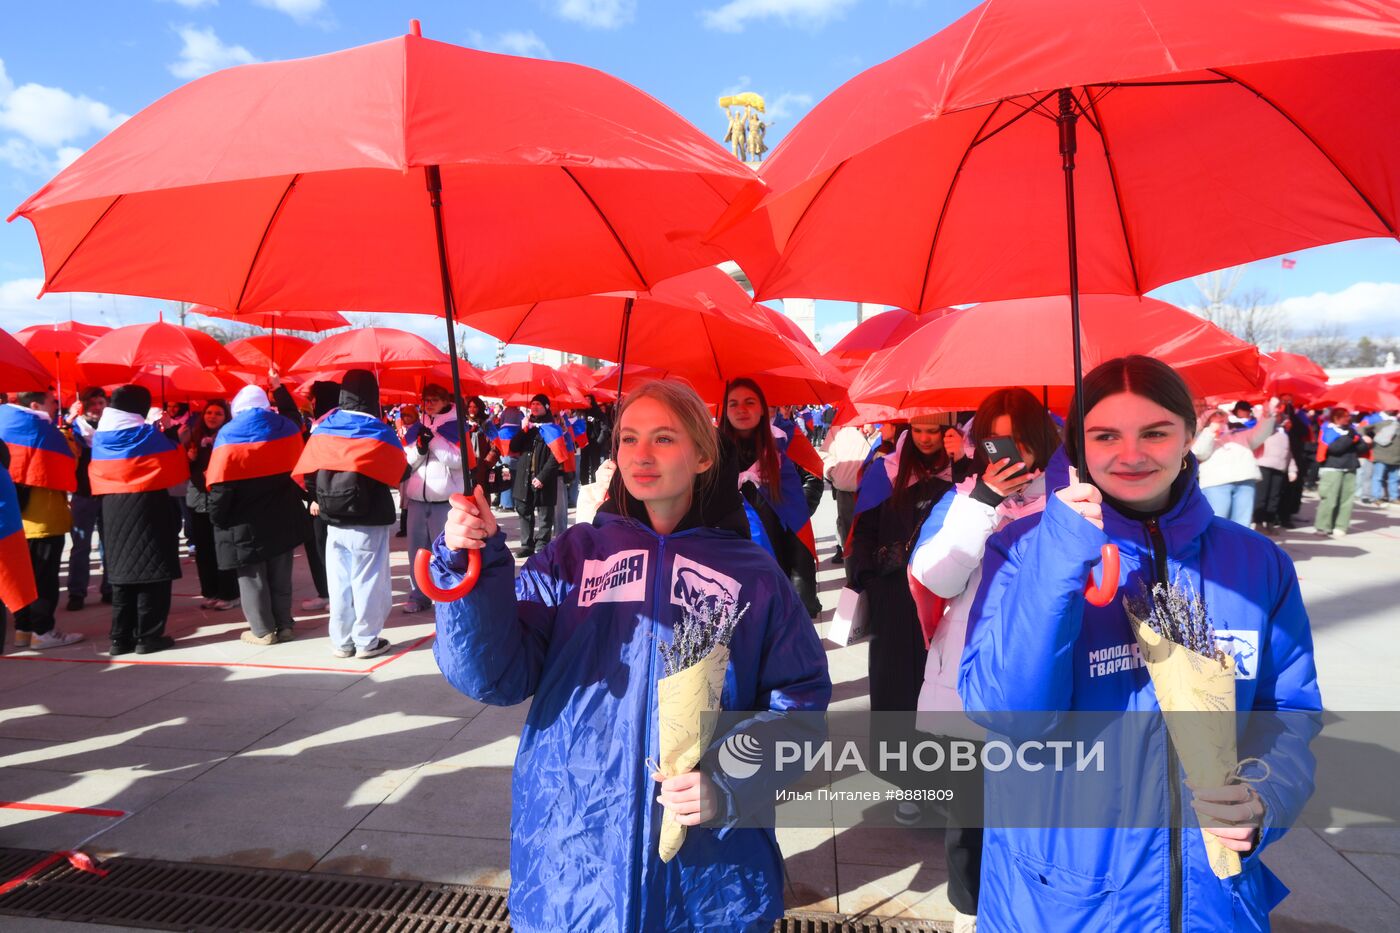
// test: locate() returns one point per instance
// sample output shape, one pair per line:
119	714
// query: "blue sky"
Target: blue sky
70	71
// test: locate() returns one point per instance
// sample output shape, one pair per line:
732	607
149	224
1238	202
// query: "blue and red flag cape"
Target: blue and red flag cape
350	442
448	430
17	588
791	508
558	443
579	428
39	453
257	442
135	459
505	433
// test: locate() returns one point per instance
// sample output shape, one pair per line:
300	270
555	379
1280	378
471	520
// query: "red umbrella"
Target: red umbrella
374	348
57	346
701	325
877	332
1365	393
186	383
516	383
944	364
406	384
1214	134
1292	374
262	352
404	175
19	370
777	389
119	355
312	321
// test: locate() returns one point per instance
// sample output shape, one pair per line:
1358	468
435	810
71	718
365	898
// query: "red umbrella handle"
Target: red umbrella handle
424	577
1095	594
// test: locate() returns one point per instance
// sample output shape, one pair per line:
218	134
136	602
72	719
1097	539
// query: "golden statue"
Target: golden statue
745	132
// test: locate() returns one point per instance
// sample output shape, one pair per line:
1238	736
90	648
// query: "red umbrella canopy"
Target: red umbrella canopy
373	348
1292	374
311	321
186	384
877	332
307	180
118	355
71	337
700	324
262	352
20	371
1365	393
407	384
959	359
777	389
515	383
1209	134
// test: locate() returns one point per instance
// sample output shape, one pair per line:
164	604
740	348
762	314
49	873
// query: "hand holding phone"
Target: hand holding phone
1004	478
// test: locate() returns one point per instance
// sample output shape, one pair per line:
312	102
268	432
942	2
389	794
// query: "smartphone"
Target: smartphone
1002	447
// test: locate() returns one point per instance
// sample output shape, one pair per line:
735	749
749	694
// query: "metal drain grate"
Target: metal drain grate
217	898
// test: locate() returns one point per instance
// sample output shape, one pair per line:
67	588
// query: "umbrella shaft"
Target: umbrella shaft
622	345
1068	147
434	177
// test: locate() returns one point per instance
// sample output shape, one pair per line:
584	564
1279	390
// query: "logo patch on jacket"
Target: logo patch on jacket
700	588
621	578
1114	659
1243	645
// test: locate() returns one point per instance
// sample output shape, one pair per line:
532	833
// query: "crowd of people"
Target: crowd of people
969	536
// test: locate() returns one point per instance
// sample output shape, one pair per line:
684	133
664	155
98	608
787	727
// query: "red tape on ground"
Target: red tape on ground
55	808
358	672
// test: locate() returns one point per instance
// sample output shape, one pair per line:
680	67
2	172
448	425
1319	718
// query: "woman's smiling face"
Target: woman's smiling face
1134	449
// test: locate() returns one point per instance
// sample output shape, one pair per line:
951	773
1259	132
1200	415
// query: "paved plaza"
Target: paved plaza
283	757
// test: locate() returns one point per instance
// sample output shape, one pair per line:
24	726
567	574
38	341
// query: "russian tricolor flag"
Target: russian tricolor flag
257	442
39	453
580	432
558	443
504	435
351	442
448	430
135	459
17	588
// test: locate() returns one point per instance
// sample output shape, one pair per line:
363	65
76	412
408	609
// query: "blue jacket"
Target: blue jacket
578	630
1035	644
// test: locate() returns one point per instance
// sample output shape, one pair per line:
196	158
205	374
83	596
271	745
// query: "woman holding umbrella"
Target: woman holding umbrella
579	630
1035	643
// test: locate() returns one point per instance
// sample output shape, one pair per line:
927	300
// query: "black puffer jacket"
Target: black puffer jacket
359	391
258	519
141	537
536	461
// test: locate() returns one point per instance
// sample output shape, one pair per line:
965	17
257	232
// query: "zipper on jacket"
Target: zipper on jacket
640	849
1159	565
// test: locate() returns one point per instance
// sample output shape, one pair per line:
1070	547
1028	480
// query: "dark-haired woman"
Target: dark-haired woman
772	486
1035	643
947	561
218	587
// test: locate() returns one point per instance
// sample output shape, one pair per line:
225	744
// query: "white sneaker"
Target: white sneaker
1338	533
210	603
908	813
964	923
413	606
378	647
315	604
54	639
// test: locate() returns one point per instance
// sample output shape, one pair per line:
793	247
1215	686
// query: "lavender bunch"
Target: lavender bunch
1178	614
702	629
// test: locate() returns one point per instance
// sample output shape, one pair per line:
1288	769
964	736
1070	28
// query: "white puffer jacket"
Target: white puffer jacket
1228	456
948	560
436	474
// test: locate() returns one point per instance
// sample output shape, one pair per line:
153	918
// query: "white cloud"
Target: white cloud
42	120
203	52
736	14
521	42
1363	309
788	104
20	308
599	14
300	10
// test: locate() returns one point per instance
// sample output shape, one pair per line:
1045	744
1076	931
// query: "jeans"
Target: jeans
425	522
1385	481
87	517
507	499
266	591
357	573
1234	501
1335	489
1363	481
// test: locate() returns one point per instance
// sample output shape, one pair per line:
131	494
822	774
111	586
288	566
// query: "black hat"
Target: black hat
359	391
541	398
